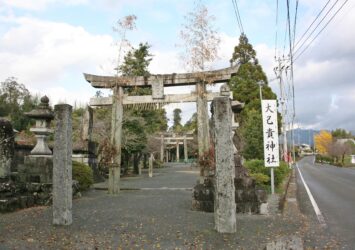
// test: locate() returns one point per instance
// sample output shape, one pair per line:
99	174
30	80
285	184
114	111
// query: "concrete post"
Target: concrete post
162	148
151	158
116	140
224	204
177	152
202	119
62	166
185	149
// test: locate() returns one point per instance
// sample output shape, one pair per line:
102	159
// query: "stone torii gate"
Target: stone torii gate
157	99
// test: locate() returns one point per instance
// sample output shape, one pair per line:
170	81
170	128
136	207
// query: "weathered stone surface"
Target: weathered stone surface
37	169
6	147
116	140
62	166
14	196
203	135
43	115
151	159
224	204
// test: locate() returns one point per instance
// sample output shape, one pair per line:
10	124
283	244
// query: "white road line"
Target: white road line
314	203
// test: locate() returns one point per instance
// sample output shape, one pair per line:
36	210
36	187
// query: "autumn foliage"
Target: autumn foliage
323	141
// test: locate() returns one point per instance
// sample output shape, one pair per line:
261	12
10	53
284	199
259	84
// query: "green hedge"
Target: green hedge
262	174
83	174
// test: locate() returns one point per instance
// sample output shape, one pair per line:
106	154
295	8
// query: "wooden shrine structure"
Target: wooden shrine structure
157	100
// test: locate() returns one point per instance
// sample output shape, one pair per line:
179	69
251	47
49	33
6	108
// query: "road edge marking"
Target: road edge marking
319	214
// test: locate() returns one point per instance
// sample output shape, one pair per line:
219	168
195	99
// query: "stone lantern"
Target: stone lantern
43	115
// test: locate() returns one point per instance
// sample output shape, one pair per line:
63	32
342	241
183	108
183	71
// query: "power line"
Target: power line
321	30
237	14
312	22
308	37
295	24
276	25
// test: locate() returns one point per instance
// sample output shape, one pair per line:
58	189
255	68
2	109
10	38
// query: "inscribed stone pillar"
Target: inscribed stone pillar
116	140
6	147
224	204
62	166
202	119
185	149
162	148
177	152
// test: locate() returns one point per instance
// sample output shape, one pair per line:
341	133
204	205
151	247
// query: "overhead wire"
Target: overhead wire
320	22
295	24
315	19
237	14
321	30
276	26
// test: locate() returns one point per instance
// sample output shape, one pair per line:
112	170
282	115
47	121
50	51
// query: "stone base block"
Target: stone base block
248	208
38	169
203	196
248	198
18	196
206	206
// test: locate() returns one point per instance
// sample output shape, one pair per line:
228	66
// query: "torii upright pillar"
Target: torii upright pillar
177	152
203	135
116	140
185	149
162	148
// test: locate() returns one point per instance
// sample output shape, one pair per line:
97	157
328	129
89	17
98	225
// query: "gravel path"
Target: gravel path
141	219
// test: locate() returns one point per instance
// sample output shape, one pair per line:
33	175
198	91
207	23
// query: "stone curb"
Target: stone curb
286	184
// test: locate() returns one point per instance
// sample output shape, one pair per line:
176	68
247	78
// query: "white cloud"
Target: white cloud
37	5
46	55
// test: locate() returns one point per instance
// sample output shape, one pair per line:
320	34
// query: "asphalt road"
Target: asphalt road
333	190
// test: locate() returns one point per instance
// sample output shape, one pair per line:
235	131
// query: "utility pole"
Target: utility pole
278	72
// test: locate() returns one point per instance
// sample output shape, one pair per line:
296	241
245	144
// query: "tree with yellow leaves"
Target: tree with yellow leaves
322	141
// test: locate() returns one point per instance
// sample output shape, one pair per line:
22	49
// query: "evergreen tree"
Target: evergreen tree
15	100
139	124
246	89
177	127
137	61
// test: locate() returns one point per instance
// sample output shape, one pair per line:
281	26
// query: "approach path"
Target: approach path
142	219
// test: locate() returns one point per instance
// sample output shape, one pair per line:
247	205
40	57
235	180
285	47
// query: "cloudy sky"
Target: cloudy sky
48	44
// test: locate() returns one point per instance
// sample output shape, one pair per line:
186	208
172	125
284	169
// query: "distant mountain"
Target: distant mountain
302	136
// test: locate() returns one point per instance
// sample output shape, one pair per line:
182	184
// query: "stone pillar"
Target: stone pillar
87	121
166	155
6	147
116	140
202	119
177	152
140	166
151	158
162	148
62	166
185	149
224	204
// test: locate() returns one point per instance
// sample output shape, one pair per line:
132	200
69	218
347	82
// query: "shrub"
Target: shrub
260	179
257	168
83	174
324	159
